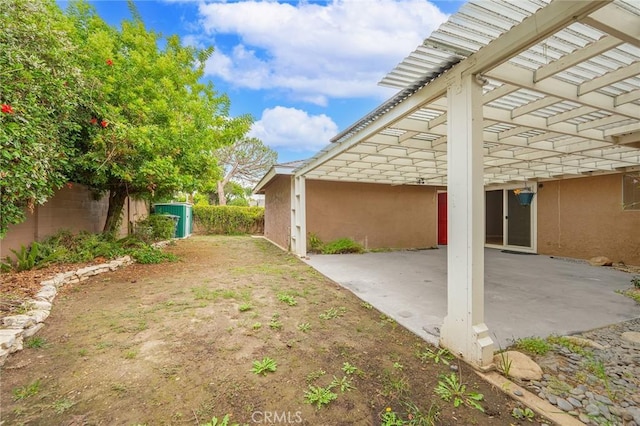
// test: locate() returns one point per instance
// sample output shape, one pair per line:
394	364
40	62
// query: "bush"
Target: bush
342	246
155	227
229	220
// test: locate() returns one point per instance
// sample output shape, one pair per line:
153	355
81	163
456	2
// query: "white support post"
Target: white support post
298	216
463	331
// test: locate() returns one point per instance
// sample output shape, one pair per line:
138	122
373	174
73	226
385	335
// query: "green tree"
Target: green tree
152	124
41	88
246	160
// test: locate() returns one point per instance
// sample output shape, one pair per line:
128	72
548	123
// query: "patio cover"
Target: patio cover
502	92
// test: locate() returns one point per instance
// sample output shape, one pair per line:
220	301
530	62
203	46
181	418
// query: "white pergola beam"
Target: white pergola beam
578	56
615	21
535	105
634	95
512	74
610	78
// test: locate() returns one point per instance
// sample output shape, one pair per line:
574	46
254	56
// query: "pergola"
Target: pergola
502	92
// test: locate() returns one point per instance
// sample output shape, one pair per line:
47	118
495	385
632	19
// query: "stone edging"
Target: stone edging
15	328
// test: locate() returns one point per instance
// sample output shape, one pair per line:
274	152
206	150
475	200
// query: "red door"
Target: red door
442	218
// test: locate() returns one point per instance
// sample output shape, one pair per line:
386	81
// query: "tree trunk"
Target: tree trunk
116	203
222	198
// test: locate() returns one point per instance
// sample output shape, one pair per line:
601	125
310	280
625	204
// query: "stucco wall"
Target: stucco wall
277	213
73	209
583	218
376	215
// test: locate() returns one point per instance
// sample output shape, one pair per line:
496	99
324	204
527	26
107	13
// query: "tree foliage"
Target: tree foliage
246	160
151	125
41	87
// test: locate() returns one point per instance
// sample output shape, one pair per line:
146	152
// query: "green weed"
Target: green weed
442	355
26	391
342	246
319	396
62	405
449	388
245	307
256	326
267	365
533	345
332	313
344	384
288	299
523	414
35	342
304	327
315	375
349	369
275	323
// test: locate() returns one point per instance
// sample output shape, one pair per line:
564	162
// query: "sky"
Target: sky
304	70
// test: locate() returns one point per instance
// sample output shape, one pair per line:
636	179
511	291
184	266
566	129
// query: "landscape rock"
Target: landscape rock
39	304
8	337
18	321
39	315
46	293
600	261
522	367
580	341
631	336
564	405
28	332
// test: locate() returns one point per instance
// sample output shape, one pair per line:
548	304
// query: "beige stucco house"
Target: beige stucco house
507	95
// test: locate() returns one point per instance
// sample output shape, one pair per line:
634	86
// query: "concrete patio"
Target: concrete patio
525	295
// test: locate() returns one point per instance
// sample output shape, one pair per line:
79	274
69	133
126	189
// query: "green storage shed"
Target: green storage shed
184	211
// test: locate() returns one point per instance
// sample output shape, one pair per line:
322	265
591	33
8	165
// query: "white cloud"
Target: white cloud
293	129
338	49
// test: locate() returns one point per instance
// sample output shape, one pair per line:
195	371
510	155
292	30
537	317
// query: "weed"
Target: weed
288	299
26	391
418	418
62	405
558	386
315	375
344	384
631	293
533	345
103	345
393	385
204	293
342	246
314	243
245	307
119	388
441	356
304	327
366	305
35	342
275	323
151	255
332	313
390	418
450	388
635	281
130	354
222	422
505	363
256	326
398	366
267	365
319	395
349	369
569	344
229	294
83	352
523	414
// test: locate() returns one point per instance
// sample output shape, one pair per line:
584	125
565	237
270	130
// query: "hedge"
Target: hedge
229	220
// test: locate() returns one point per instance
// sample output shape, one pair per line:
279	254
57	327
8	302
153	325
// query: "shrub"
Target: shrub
314	243
155	227
342	246
229	220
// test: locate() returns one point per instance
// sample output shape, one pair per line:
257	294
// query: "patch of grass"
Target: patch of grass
342	246
35	342
103	345
569	344
419	418
245	307
319	396
26	391
131	354
631	293
315	375
119	388
366	305
450	388
533	345
83	352
62	405
304	327
288	299
205	293
332	313
275	323
267	365
152	255
442	355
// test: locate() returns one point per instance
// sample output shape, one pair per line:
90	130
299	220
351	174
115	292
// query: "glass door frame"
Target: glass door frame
505	224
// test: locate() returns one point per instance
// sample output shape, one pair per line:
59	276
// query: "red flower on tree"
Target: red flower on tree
104	123
7	109
109	62
94	120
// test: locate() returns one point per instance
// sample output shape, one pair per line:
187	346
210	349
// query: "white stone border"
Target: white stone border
14	328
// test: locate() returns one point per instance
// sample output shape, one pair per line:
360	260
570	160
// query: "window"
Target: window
631	191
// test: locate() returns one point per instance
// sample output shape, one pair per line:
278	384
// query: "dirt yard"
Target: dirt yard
175	343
